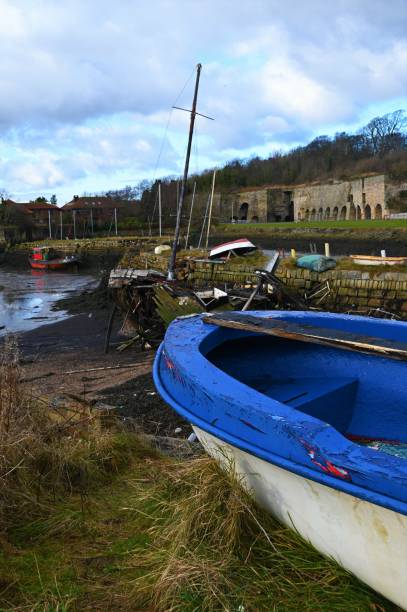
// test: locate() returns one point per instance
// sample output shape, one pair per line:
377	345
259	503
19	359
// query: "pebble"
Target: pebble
177	430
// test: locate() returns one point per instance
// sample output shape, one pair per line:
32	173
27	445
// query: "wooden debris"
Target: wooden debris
109	328
32	378
115	367
311	334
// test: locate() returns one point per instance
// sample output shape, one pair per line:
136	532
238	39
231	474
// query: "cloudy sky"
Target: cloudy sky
87	86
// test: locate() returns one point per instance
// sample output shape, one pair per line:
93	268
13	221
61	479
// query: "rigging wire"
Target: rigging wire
164	138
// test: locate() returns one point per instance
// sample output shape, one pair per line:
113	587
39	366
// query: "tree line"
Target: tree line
380	146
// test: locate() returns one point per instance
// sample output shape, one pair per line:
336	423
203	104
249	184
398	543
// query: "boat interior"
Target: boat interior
361	396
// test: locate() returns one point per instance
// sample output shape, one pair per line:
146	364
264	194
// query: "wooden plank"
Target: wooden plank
311	334
109	328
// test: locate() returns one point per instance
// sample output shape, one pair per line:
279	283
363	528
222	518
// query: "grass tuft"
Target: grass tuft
47	454
212	548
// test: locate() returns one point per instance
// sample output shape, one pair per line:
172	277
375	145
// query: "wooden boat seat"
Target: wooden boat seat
329	399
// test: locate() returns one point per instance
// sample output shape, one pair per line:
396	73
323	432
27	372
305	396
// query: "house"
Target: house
34	219
84	214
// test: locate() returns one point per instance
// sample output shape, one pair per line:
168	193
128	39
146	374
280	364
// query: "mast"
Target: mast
171	267
159	207
210	209
204	221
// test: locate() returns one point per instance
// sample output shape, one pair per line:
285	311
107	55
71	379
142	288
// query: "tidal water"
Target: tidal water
27	298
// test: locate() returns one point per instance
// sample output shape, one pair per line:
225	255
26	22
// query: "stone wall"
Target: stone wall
365	197
361	198
247	205
350	289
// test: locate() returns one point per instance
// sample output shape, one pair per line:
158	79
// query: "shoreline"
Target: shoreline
67	358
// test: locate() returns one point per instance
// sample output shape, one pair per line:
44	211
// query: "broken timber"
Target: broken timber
308	333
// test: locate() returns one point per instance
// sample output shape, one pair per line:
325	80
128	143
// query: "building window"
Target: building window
363	198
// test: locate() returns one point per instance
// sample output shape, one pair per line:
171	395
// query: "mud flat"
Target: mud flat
67	358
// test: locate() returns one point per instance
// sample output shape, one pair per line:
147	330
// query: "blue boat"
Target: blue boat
311	408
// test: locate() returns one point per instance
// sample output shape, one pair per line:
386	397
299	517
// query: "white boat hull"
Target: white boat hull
378	261
368	540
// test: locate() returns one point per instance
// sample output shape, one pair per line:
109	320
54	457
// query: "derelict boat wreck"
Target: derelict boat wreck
311	409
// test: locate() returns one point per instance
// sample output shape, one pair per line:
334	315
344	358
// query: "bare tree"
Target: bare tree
4	195
386	133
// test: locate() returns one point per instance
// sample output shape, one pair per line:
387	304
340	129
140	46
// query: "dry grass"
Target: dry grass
47	453
93	519
213	549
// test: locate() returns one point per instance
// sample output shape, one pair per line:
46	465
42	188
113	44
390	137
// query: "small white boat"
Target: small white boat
239	247
373	260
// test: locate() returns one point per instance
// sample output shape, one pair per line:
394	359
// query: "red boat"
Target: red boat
46	258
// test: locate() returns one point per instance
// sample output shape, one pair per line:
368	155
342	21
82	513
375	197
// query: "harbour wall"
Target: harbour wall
350	289
100	254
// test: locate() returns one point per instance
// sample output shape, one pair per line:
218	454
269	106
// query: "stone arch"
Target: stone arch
243	210
291	212
358	212
313	214
335	213
352	212
255	219
368	212
307	215
378	212
327	213
343	212
320	214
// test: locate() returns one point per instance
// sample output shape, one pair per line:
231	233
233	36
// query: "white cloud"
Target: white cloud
87	85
